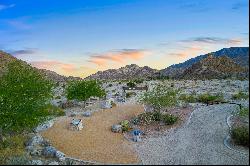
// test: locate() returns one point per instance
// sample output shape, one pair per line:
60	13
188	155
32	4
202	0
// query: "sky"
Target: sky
81	37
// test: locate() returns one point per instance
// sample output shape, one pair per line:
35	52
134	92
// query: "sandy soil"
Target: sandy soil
96	142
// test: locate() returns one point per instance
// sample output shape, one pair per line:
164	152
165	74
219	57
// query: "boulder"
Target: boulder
35	140
49	151
44	126
36	162
116	128
87	114
60	156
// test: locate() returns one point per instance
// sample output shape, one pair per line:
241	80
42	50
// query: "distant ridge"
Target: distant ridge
132	71
6	58
240	55
213	67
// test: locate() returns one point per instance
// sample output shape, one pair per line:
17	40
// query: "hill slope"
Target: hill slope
128	72
5	58
214	67
240	55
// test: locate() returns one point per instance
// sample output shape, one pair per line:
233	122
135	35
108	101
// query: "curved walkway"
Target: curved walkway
96	142
199	141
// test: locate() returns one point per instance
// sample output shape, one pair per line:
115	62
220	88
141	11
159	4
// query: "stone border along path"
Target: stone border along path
199	141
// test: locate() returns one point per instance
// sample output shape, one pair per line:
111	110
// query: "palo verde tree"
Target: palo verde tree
84	89
160	97
24	94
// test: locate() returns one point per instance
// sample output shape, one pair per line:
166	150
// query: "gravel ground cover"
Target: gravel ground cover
199	141
96	142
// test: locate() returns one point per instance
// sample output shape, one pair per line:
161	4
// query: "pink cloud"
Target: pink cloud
120	56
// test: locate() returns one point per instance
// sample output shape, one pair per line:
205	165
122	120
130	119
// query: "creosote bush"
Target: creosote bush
147	118
240	135
131	84
160	97
210	98
24	94
84	89
240	95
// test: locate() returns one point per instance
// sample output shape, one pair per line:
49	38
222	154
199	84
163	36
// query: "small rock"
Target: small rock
36	162
49	151
35	152
116	128
53	163
87	114
60	156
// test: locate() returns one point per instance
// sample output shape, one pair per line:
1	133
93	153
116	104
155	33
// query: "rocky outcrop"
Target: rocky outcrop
132	71
214	68
239	55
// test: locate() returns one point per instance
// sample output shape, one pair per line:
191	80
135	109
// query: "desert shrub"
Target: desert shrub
240	95
110	85
54	110
12	146
244	112
131	84
157	115
169	119
188	98
146	118
129	94
84	89
23	96
210	98
240	135
138	81
160	97
125	125
18	160
57	97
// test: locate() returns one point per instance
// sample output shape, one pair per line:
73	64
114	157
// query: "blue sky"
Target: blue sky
83	37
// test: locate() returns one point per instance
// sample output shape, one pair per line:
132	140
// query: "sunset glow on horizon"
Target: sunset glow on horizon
79	38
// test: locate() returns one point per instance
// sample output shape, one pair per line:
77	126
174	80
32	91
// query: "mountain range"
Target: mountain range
227	62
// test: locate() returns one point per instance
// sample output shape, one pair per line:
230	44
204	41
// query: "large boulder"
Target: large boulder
44	126
35	140
49	151
116	128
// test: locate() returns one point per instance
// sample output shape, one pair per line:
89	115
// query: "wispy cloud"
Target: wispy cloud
213	40
196	6
187	52
239	5
23	52
2	6
19	24
117	56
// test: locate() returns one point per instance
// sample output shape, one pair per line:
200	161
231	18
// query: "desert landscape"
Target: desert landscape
123	83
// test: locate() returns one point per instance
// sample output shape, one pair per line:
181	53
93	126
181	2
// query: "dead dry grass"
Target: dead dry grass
96	142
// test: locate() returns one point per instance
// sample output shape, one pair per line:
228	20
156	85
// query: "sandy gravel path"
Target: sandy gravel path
199	141
96	142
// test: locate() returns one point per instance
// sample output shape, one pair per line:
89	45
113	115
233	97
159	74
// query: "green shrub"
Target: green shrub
139	81
125	125
188	98
18	160
240	136
157	115
240	95
129	94
146	118
12	146
84	89
23	96
131	84
160	97
169	119
244	112
210	98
